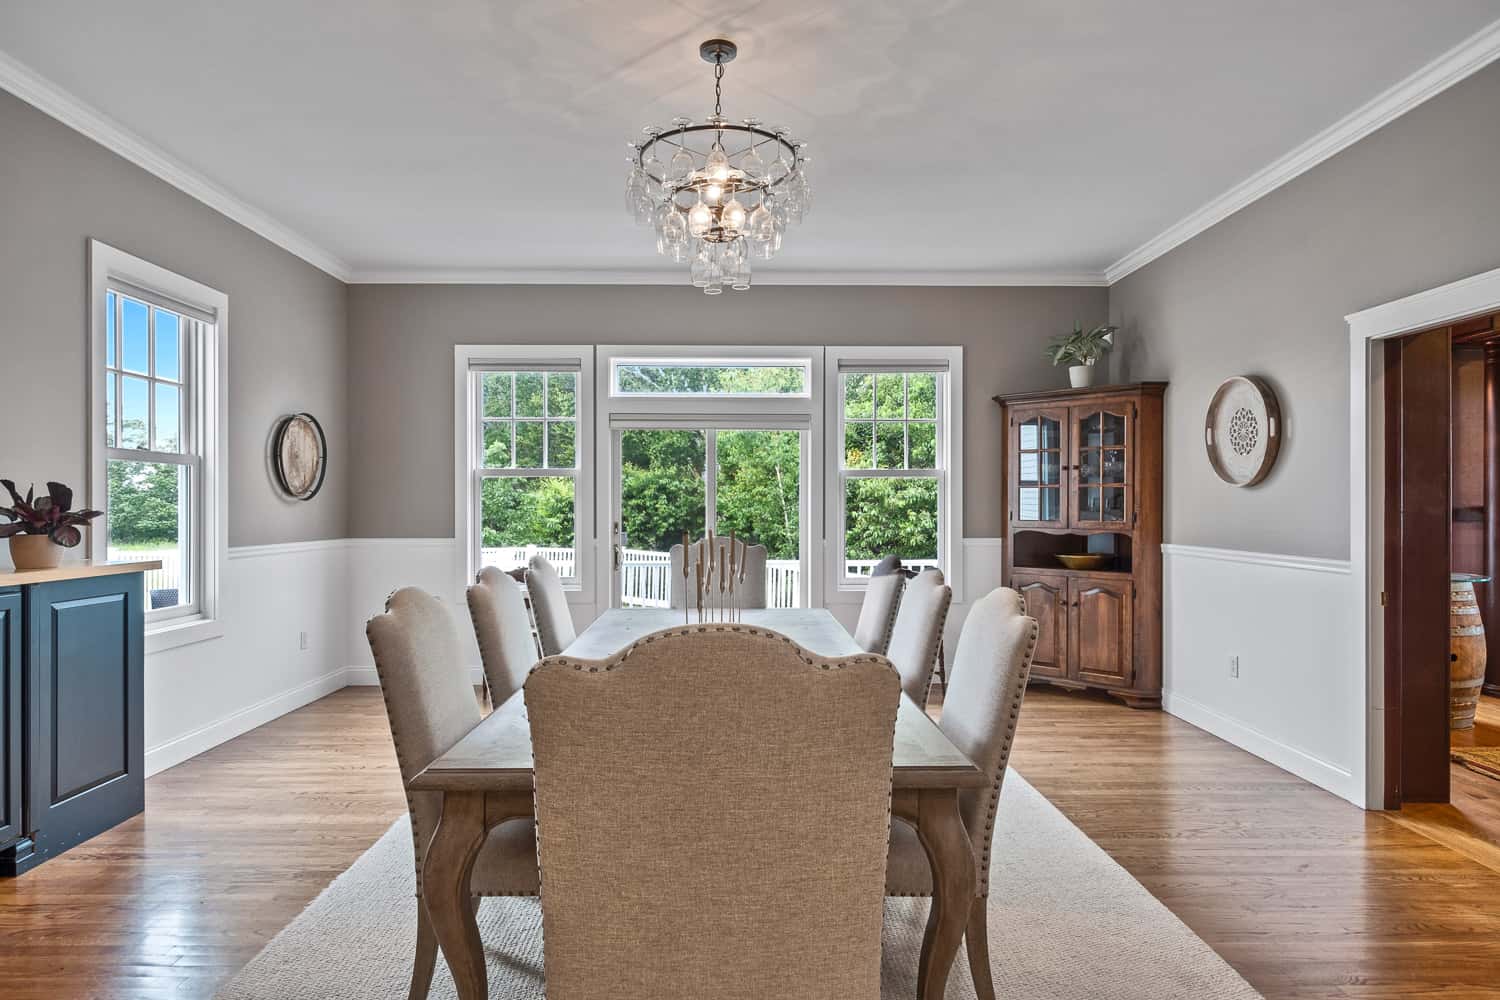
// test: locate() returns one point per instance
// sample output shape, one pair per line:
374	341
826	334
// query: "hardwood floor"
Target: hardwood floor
1304	894
1470	823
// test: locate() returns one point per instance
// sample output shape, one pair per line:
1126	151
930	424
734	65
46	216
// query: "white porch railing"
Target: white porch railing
169	577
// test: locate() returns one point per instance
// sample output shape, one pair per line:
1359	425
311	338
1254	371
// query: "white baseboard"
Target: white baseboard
365	676
188	745
1304	765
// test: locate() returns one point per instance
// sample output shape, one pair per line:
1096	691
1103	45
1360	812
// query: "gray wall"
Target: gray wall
401	361
288	320
1415	205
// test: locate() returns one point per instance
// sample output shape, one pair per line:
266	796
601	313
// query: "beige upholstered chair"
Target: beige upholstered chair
980	708
750	594
918	631
503	630
554	622
877	615
713	804
431	706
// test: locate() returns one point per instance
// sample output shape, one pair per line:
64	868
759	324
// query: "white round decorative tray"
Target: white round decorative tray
1243	430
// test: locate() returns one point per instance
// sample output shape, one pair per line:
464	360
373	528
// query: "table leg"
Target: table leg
941	831
445	889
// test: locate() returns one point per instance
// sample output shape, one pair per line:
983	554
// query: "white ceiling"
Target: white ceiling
1004	136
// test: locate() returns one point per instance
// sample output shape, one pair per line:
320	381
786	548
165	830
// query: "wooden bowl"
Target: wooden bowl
1090	561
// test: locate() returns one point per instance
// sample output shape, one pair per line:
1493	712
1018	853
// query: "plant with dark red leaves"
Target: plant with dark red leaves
45	515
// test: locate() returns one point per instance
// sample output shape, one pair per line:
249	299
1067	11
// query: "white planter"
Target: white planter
1081	376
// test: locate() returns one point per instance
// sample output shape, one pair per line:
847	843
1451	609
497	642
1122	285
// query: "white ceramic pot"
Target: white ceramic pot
1081	376
35	552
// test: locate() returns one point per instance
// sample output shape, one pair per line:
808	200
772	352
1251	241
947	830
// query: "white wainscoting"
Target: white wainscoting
202	694
1298	700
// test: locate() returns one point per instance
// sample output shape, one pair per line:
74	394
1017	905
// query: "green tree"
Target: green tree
142	503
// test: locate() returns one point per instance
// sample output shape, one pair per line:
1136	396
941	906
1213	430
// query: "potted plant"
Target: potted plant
1079	350
42	526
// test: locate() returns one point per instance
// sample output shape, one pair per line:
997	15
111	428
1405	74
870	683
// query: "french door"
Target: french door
733	475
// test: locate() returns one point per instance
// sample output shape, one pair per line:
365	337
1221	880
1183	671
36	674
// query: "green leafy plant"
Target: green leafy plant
1080	347
45	515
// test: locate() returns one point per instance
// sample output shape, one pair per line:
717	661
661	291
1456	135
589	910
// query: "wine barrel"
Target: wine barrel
1466	649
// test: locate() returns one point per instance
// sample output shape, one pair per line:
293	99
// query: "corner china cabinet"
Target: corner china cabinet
1083	499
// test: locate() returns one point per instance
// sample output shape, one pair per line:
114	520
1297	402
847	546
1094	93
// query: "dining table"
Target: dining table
486	779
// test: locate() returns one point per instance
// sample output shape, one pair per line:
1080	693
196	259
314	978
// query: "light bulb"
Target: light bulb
699	220
713	193
733	216
717	165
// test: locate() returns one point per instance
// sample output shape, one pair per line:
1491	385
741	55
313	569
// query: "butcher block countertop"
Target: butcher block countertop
75	571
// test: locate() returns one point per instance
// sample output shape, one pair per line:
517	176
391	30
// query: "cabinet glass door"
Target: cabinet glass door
1039	468
1102	480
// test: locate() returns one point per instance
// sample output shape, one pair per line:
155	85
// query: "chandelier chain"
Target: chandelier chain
718	86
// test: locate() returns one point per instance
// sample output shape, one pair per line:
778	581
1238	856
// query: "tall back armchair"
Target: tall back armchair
706	776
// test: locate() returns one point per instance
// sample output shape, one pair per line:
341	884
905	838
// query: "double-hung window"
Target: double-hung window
525	493
156	338
893	491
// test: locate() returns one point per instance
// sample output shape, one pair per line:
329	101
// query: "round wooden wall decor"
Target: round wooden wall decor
299	454
1243	430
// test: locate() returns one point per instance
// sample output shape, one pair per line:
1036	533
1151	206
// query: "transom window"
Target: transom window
710	378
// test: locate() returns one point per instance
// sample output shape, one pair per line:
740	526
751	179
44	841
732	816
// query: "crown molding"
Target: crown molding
41	93
524	276
1459	62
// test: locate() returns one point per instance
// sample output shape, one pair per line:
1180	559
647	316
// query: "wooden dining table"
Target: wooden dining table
486	779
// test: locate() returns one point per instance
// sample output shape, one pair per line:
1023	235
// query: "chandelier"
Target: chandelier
718	193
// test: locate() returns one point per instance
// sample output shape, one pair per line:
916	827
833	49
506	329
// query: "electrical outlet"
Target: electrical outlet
301	640
1234	666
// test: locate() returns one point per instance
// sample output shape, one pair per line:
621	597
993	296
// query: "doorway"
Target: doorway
1441	538
672	481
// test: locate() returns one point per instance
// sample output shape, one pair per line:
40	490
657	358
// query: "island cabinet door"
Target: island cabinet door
86	761
11	728
1046	596
1102	644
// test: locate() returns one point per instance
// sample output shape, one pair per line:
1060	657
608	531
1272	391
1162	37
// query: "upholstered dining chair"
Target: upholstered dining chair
877	615
749	594
502	627
554	622
980	708
431	705
918	631
708	830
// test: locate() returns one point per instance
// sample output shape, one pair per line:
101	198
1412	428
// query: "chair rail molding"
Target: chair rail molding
1471	296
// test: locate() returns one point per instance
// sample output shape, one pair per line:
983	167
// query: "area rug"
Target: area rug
1484	760
1066	922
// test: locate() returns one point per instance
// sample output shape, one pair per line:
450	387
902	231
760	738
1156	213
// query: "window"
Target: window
156	344
893	485
656	377
525	492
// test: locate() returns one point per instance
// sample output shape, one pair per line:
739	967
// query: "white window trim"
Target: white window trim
210	357
786	411
950	477
466	406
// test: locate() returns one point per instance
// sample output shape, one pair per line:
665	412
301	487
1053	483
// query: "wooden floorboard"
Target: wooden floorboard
1304	894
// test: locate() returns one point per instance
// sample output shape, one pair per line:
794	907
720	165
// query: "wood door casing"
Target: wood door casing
1046	597
1081	450
1021	504
1101	635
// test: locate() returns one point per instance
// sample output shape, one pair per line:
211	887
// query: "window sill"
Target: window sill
184	632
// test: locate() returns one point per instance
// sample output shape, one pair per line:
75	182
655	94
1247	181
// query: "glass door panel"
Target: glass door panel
663	492
1039	468
758	497
1102	468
